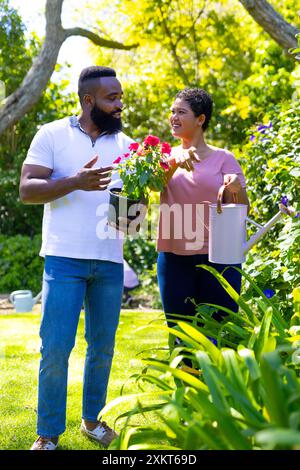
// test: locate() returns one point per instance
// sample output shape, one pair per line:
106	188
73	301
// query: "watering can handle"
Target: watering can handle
220	198
15	292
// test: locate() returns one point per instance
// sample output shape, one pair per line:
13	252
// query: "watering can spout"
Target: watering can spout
263	229
37	298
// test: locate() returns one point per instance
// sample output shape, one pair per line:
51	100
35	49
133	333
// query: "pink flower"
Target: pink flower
152	140
126	155
166	148
164	165
117	160
133	146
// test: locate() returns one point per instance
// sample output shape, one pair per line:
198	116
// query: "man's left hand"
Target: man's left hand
131	226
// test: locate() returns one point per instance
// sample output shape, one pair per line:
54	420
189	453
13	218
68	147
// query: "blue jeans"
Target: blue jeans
68	284
179	280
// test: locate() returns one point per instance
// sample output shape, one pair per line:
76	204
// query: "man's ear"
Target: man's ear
88	100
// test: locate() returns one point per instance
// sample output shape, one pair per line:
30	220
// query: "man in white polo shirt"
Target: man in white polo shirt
68	168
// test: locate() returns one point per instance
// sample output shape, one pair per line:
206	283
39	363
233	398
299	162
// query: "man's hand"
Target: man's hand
232	183
187	159
131	226
88	179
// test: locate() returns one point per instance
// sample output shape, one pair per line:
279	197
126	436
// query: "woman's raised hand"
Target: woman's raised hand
187	159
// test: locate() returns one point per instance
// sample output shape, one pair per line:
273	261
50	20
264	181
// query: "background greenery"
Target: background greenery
243	392
19	352
17	52
216	46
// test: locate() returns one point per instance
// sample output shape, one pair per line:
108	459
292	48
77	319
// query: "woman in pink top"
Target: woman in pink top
198	171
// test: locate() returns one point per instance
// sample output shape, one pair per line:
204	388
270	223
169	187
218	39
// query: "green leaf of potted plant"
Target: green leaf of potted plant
141	170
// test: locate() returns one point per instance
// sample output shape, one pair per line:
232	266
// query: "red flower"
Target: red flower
133	146
117	160
166	148
164	165
152	140
126	155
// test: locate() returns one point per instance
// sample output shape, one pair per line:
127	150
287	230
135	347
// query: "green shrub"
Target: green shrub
272	171
272	162
21	267
243	394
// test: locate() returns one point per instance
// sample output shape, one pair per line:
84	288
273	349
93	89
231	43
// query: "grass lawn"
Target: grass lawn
19	358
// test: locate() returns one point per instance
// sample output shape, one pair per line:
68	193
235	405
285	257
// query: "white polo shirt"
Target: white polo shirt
75	226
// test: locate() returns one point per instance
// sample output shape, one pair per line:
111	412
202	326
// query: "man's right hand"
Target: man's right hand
37	187
97	179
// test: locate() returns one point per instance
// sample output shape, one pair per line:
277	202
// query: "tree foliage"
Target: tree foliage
15	218
18	103
212	45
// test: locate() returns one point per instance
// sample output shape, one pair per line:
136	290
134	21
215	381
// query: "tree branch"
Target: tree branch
173	48
194	36
272	22
99	41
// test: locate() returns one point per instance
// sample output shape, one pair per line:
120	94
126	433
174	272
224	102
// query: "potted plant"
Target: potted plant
141	170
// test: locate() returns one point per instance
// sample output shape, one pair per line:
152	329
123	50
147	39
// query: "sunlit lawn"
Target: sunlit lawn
19	354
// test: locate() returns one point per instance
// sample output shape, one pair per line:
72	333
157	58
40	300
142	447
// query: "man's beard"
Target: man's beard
106	122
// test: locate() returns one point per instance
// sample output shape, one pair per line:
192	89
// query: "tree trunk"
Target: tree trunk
272	22
33	85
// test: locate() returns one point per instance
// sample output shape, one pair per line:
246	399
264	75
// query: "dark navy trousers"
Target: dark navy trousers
180	280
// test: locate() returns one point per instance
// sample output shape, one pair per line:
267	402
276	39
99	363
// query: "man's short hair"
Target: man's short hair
88	74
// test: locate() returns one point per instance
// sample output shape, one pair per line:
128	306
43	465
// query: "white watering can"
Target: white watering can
227	231
23	301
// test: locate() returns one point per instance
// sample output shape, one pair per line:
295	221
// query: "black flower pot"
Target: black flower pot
121	206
